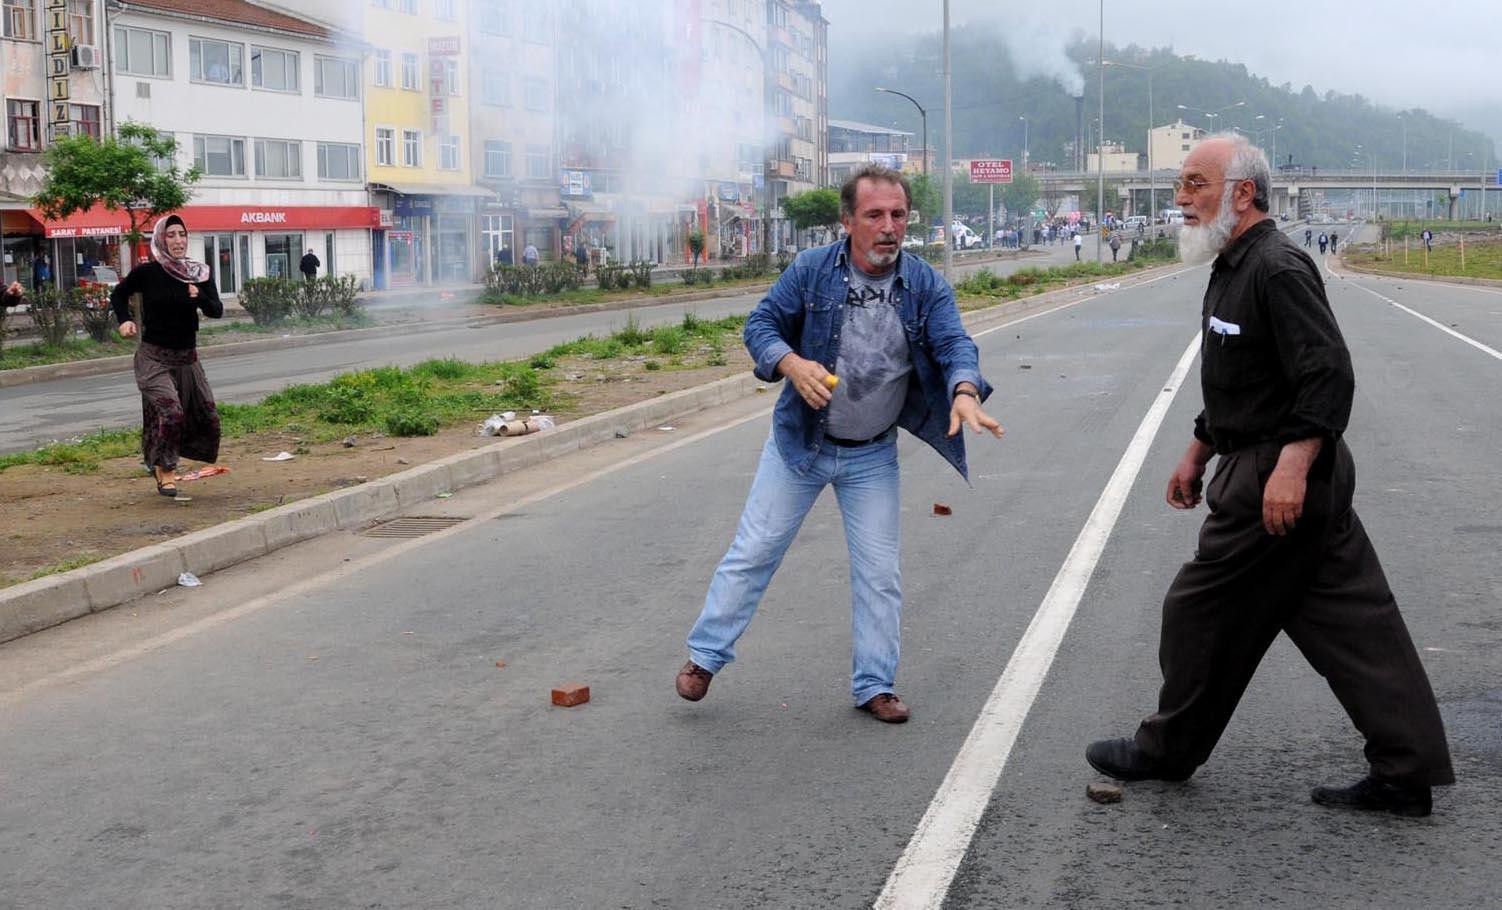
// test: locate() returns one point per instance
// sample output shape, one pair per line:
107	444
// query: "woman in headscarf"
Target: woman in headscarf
178	416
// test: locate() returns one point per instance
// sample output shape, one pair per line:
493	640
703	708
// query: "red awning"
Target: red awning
96	222
100	221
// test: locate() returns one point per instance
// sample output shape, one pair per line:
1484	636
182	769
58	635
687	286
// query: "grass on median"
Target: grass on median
985	287
1482	260
420	400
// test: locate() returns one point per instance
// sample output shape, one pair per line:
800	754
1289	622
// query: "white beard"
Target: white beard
1200	243
882	260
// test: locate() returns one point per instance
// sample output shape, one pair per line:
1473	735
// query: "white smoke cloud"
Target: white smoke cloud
1037	51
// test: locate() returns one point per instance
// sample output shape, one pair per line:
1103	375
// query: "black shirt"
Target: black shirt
1274	366
168	314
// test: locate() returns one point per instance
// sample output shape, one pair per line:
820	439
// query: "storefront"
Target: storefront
438	234
238	242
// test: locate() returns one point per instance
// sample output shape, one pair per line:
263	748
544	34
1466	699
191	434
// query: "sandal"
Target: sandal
168	488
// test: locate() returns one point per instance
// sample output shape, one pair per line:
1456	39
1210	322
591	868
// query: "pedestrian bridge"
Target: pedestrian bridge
1296	192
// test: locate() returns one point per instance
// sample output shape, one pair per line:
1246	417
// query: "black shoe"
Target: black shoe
1375	795
1121	759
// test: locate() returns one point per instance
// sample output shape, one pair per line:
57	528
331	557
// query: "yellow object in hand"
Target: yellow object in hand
831	380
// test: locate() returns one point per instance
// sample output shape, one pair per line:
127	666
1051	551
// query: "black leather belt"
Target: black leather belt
856	443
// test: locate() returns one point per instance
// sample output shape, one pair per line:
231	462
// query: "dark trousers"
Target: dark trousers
1323	585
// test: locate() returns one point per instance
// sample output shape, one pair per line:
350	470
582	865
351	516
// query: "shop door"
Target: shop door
219	253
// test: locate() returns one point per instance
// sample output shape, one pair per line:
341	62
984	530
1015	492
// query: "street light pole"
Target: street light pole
1024	144
948	155
1100	145
922	114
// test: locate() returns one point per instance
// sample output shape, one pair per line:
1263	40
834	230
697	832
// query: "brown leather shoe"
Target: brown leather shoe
693	681
887	708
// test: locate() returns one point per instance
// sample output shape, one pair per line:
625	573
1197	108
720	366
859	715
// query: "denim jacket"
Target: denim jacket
804	312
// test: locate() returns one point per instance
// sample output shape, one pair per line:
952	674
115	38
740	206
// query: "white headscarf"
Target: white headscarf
188	271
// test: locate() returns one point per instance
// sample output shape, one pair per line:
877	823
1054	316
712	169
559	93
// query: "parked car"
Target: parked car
966	239
100	276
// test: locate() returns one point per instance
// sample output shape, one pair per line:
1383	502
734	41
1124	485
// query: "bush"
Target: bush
267	300
698	276
1148	250
347	405
344	295
52	315
93	308
633	334
522	384
411	421
611	276
641	273
310	300
503	281
668	339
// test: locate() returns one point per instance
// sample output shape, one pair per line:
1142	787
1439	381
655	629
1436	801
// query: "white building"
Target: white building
269	107
1171	144
1117	160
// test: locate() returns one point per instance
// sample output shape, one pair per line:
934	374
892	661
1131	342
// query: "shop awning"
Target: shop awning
547	213
437	189
96	222
100	221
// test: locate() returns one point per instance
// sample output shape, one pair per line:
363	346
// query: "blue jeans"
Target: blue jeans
865	484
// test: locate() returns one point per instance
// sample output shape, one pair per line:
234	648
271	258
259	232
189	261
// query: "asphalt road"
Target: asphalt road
349	741
35	414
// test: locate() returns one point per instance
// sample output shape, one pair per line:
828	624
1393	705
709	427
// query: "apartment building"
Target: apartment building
852	145
52	83
1171	144
269	107
512	131
731	103
797	92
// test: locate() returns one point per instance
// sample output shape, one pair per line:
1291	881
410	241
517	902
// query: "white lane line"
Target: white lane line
1438	325
926	868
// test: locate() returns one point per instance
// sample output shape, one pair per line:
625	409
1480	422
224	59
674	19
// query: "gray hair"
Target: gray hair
878	172
1248	162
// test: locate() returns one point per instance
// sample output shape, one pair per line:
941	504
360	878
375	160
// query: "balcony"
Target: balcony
787	126
777	168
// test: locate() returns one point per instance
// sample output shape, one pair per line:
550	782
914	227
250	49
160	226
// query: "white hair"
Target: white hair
1248	162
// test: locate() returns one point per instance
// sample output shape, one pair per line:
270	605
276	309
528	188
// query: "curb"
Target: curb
41	603
1415	276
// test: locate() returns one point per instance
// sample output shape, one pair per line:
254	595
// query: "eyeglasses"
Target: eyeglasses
1196	185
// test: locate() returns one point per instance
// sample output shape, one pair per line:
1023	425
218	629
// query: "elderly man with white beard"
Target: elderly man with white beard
1281	550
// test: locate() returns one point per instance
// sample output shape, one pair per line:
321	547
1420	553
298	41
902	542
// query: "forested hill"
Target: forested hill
1322	130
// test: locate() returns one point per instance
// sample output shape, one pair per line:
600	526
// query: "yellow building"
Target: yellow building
418	161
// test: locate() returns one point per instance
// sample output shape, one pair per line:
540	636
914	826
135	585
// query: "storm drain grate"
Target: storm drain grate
412	527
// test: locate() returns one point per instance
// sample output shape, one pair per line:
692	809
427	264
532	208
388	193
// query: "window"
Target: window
495	86
444	9
535	94
20	20
381	4
334	77
383	69
492	16
1184	148
412	148
142	53
539	164
338	161
81	21
409	73
216	61
535	25
84	119
219	156
451	75
448	153
23	126
407	6
277	159
497	233
283	252
385	146
497	158
273	69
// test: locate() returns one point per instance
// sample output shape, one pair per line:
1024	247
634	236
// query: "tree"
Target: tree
815	208
1019	195
928	200
135	173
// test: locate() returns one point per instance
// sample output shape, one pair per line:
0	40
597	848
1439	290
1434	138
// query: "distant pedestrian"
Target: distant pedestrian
529	255
309	265
1428	237
1333	239
1115	244
178	415
41	271
1324	241
581	256
504	256
1079	243
1308	237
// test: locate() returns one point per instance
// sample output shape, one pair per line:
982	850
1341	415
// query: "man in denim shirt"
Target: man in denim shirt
887	326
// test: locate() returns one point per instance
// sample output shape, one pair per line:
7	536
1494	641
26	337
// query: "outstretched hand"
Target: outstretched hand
967	410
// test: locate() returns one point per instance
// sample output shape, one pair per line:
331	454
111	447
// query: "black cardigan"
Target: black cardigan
169	315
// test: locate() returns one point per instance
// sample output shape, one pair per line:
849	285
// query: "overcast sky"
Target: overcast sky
1443	56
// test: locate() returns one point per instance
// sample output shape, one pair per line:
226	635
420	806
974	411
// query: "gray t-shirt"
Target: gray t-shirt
874	361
